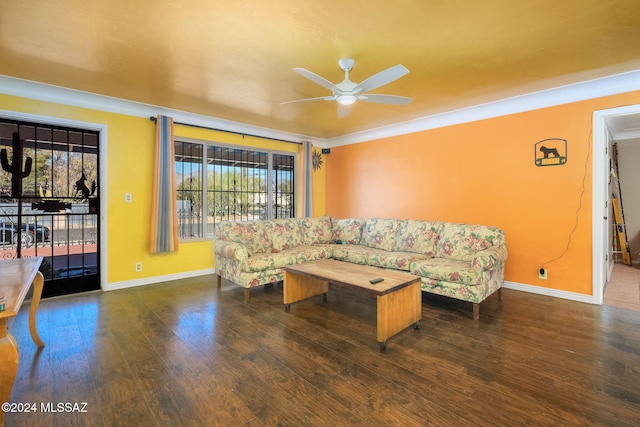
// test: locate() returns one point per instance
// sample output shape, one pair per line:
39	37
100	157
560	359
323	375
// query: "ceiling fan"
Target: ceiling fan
347	92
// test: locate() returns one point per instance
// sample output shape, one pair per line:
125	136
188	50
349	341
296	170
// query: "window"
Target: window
230	183
189	189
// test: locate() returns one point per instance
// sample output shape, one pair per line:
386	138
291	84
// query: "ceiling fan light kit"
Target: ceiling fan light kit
346	99
346	93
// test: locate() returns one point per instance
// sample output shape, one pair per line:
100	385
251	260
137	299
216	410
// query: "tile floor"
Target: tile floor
623	289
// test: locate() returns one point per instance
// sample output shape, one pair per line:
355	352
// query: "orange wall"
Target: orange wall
483	172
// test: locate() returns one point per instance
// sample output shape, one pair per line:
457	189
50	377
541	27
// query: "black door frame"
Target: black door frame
66	277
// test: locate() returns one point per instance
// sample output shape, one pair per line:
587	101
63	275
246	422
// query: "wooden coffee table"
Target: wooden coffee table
399	298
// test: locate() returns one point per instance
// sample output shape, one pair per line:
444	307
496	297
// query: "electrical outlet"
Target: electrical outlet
128	197
138	267
542	274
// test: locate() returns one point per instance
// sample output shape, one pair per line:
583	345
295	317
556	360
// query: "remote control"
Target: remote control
374	281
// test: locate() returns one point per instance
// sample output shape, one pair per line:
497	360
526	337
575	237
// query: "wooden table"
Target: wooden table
16	277
399	297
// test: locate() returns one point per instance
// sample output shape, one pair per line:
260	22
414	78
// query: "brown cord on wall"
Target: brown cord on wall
575	225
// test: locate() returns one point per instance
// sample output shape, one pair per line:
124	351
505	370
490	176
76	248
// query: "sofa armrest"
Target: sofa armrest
490	259
235	251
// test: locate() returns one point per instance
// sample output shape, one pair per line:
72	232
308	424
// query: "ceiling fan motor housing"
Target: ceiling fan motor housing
346	63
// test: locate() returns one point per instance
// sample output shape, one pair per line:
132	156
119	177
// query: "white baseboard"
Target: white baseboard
549	292
187	274
156	279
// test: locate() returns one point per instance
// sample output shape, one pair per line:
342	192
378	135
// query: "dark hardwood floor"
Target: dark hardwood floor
184	353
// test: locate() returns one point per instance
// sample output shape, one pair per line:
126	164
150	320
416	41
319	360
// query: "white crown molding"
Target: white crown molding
605	86
626	135
550	292
77	98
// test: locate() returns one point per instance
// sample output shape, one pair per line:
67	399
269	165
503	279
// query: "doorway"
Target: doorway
609	126
49	202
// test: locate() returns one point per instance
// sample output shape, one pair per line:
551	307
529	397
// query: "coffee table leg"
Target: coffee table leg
297	287
397	311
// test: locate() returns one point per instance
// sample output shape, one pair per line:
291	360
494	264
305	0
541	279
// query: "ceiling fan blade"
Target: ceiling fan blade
382	78
386	99
344	110
319	98
315	78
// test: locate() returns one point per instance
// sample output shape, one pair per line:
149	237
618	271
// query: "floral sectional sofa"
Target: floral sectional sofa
460	261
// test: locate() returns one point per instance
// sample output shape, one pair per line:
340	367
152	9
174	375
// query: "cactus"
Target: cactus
15	168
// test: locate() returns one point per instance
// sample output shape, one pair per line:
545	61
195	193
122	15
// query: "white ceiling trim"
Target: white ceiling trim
611	85
626	135
60	95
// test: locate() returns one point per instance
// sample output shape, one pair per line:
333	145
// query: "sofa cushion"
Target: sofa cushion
447	269
306	253
267	261
315	230
351	253
462	241
380	233
395	260
348	230
418	236
250	233
283	233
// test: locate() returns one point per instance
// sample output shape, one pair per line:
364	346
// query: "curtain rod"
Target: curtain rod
153	119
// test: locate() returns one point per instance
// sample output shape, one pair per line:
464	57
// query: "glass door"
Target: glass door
49	202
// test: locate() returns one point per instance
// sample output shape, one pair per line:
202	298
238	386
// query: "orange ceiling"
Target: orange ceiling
233	59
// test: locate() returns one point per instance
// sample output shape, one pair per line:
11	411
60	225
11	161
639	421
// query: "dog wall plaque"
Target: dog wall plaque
550	152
